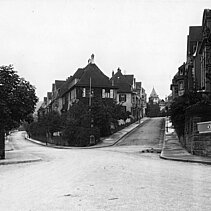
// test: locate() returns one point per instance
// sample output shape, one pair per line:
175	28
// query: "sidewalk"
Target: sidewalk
105	142
173	150
13	156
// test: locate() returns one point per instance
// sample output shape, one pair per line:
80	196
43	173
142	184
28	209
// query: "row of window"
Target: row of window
106	93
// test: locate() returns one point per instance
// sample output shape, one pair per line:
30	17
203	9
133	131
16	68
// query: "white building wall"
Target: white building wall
128	103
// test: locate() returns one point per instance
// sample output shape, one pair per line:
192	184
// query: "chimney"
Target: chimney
118	70
92	59
112	74
45	100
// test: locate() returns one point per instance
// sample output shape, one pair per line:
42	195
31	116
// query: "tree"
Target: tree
53	122
17	101
178	110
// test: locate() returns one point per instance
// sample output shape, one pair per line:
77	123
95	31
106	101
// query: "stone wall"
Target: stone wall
201	144
194	142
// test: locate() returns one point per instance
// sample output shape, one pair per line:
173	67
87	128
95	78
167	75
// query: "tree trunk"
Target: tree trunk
2	144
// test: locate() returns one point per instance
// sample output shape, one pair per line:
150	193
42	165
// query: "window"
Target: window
86	92
111	93
103	93
181	85
122	98
106	93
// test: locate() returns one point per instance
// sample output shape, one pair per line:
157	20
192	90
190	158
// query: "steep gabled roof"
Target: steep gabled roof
98	78
194	37
138	85
59	83
78	73
123	82
64	87
153	94
129	79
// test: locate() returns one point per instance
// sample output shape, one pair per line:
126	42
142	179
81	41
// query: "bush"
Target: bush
183	106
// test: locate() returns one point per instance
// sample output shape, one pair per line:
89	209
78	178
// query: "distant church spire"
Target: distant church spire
153	93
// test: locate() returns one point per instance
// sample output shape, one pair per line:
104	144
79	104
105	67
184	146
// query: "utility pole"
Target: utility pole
91	138
90	92
2	144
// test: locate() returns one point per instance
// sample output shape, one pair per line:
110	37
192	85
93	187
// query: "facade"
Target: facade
205	52
86	83
194	76
130	93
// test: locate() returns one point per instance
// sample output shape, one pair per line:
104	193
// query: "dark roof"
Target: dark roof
64	87
195	36
49	95
98	78
153	94
206	15
123	82
59	83
138	85
78	73
129	79
195	33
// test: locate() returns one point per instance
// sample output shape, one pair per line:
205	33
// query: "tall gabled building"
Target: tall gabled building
205	53
86	83
128	93
196	74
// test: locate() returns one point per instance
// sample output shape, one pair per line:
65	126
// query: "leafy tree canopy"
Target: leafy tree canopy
18	98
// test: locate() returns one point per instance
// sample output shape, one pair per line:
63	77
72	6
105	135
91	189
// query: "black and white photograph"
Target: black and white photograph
105	105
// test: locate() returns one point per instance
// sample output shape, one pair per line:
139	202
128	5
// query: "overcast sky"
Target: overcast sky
48	40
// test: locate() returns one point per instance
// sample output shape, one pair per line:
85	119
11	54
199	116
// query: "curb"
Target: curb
5	162
184	160
179	159
91	147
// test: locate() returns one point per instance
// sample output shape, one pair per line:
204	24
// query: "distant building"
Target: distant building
130	93
178	82
153	106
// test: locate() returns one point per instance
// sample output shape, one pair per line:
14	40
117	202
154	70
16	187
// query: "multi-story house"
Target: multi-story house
205	52
86	83
141	99
192	67
56	89
129	93
178	82
196	74
188	77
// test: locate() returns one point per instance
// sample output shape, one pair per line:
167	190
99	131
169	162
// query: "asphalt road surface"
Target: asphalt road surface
116	178
149	135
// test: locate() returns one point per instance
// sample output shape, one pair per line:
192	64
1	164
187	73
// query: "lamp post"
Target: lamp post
167	118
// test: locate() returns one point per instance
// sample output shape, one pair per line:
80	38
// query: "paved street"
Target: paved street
149	135
112	178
